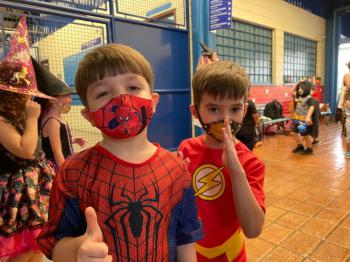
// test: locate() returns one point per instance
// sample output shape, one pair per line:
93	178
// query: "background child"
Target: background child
227	177
347	121
145	207
315	116
25	175
247	134
57	141
302	129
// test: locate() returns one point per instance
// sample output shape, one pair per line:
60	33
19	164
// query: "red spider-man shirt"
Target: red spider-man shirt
144	210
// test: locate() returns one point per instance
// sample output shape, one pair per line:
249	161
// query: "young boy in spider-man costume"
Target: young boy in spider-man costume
126	198
227	177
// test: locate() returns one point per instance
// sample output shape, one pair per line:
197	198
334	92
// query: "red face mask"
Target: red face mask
124	116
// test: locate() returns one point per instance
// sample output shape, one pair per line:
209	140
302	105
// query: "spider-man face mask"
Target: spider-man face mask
124	116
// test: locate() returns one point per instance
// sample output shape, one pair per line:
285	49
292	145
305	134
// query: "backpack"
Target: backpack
273	109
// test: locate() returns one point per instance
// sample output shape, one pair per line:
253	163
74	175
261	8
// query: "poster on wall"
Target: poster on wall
220	14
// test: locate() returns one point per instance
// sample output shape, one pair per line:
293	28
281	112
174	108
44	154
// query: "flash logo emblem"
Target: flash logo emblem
208	182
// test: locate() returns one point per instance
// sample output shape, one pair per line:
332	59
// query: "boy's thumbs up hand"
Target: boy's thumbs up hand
93	230
92	247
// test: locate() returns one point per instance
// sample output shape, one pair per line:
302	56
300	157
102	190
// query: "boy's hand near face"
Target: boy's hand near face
229	154
249	213
92	247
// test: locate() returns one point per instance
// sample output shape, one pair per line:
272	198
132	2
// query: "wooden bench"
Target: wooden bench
266	124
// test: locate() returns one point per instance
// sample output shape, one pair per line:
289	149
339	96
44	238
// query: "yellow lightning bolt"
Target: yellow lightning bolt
209	181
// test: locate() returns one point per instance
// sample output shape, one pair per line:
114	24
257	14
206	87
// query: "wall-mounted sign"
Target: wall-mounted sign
220	14
91	43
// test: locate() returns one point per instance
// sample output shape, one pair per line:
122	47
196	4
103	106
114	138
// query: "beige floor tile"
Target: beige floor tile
292	220
312	189
307	209
331	216
340	236
281	254
317	227
346	222
283	191
341	204
286	203
271	198
299	195
308	259
332	192
327	251
273	213
301	243
269	187
295	185
257	248
320	199
275	233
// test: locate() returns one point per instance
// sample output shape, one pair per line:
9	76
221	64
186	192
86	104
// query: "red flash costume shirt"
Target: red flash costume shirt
144	210
216	207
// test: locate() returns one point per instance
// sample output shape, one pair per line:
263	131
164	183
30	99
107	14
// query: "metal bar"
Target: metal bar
150	25
112	34
49	10
51	6
73	12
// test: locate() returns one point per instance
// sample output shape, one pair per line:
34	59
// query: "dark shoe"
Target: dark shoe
307	151
298	149
315	142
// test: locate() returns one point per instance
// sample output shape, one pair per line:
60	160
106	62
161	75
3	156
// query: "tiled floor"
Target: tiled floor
308	201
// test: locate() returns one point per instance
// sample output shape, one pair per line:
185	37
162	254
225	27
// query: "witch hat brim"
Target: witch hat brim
25	91
16	72
206	51
14	77
48	83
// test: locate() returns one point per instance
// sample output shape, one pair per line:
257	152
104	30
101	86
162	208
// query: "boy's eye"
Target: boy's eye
105	93
133	88
213	109
235	109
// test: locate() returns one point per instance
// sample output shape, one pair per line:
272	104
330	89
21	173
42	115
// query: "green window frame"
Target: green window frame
250	46
299	58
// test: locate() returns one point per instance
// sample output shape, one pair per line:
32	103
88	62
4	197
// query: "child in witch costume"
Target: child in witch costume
57	141
126	198
25	175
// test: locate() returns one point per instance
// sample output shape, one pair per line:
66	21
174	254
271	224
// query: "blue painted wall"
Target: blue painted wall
168	52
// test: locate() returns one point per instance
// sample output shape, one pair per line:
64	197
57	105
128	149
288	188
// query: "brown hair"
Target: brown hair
221	79
110	60
12	108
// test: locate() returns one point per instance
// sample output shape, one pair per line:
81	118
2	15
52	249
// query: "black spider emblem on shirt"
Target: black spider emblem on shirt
137	217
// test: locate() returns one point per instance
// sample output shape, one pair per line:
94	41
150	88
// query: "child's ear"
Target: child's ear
194	111
85	113
155	101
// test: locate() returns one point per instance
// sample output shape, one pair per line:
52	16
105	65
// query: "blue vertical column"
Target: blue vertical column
331	59
200	29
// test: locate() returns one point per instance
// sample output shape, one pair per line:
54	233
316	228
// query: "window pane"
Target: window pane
250	46
300	55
